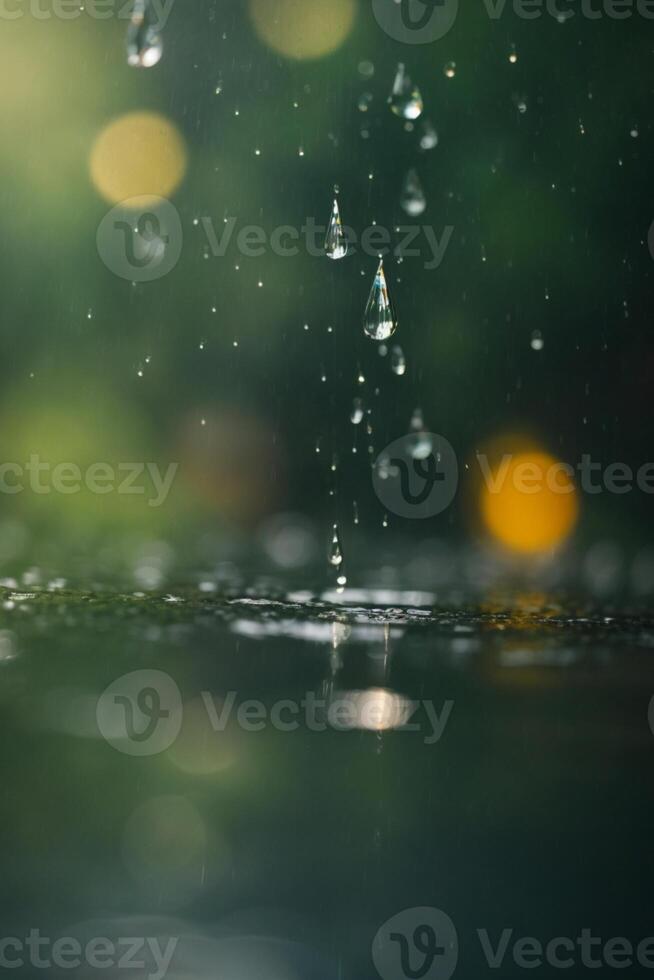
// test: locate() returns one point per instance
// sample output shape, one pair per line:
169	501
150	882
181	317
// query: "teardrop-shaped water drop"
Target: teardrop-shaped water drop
420	441
335	241
358	412
428	136
336	549
398	362
413	199
405	99
144	43
379	321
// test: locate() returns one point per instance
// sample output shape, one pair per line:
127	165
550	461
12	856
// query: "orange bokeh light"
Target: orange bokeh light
529	503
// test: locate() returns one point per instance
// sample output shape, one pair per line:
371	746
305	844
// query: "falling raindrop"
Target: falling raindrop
398	362
335	241
428	136
537	342
358	412
413	199
405	99
144	43
420	441
365	101
513	55
336	549
450	69
379	321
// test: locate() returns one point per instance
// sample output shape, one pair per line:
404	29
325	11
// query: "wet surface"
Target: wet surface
492	760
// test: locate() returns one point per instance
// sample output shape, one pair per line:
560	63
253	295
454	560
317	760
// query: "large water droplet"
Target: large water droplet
413	199
335	241
379	321
144	43
405	99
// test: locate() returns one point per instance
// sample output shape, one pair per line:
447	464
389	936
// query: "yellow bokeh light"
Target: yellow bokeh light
529	504
141	154
303	28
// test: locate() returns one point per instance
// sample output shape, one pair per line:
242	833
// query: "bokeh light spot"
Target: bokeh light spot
303	28
139	154
529	505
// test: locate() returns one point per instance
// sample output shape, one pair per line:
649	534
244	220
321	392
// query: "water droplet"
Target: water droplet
335	242
336	550
358	411
428	136
405	99
365	101
420	443
398	362
379	321
537	342
413	199
144	43
513	55
450	69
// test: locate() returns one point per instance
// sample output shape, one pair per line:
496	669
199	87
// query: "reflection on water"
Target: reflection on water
338	759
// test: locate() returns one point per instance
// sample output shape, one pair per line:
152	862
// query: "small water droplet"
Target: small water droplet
405	99
450	69
365	101
336	549
420	443
428	136
413	200
335	242
379	321
144	43
398	362
537	342
358	411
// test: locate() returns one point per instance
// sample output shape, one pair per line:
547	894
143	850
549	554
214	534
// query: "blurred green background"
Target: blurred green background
542	168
